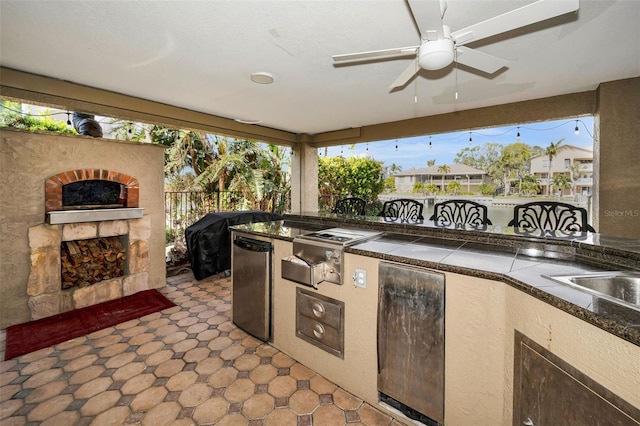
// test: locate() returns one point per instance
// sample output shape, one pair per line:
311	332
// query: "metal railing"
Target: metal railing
184	208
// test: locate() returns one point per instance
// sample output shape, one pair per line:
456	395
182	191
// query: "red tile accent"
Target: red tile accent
54	184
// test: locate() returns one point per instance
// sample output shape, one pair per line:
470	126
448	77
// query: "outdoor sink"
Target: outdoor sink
622	287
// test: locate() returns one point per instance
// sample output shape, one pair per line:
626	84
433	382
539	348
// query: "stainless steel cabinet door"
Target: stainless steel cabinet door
411	337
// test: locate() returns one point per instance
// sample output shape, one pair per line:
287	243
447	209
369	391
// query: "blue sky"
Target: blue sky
415	151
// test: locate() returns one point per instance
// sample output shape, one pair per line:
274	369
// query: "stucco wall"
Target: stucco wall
617	161
481	316
26	161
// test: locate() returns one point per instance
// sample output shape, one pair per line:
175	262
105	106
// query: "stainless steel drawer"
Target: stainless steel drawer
320	321
328	313
311	275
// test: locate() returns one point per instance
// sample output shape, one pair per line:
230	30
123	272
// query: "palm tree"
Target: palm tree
561	182
235	167
444	169
454	188
431	163
530	185
575	175
551	151
394	168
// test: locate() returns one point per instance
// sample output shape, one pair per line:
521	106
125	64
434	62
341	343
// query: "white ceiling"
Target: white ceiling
199	55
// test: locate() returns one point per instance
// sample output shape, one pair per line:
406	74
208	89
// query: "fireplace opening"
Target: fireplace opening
91	194
87	262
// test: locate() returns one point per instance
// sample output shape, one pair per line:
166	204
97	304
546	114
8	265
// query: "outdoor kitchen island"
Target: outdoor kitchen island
508	331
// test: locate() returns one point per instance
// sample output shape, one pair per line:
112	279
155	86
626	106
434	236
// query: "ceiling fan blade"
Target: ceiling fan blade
406	75
428	17
526	15
478	60
376	54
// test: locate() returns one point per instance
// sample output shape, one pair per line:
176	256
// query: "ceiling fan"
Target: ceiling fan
439	46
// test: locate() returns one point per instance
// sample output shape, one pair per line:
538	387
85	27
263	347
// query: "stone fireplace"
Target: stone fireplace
36	217
69	266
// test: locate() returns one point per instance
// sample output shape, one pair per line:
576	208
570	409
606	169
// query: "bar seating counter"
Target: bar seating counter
495	253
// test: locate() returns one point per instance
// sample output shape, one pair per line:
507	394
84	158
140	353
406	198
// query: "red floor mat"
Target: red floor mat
38	334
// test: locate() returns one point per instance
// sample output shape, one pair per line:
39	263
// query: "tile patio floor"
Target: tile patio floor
185	365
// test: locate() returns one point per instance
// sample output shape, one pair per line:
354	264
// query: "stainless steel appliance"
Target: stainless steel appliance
411	341
317	256
251	293
320	321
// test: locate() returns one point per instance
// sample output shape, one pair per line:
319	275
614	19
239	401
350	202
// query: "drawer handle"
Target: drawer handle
318	331
318	309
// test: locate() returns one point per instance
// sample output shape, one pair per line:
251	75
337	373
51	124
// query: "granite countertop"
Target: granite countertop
522	266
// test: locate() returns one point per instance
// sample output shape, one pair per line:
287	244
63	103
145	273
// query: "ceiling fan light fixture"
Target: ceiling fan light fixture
436	54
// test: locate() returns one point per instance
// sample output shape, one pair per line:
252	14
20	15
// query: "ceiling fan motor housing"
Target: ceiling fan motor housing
435	54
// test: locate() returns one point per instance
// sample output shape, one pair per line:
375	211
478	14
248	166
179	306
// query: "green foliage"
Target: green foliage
128	131
481	157
394	168
431	188
486	189
454	188
551	151
31	123
182	182
253	173
390	184
529	186
357	177
418	187
503	163
561	182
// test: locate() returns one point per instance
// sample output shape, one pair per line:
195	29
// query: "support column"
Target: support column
616	203
304	176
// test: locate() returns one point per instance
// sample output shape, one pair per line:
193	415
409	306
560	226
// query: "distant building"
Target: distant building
469	178
574	162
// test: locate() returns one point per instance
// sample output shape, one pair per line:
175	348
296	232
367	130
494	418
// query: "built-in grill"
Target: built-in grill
318	257
339	236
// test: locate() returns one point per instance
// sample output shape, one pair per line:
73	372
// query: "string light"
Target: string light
367	147
396	145
68	119
470	139
518	135
576	131
341	149
430	142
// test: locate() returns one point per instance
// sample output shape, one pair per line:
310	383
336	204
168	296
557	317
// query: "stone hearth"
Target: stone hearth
44	287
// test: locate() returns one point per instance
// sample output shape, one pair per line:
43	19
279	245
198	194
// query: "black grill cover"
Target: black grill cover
209	240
